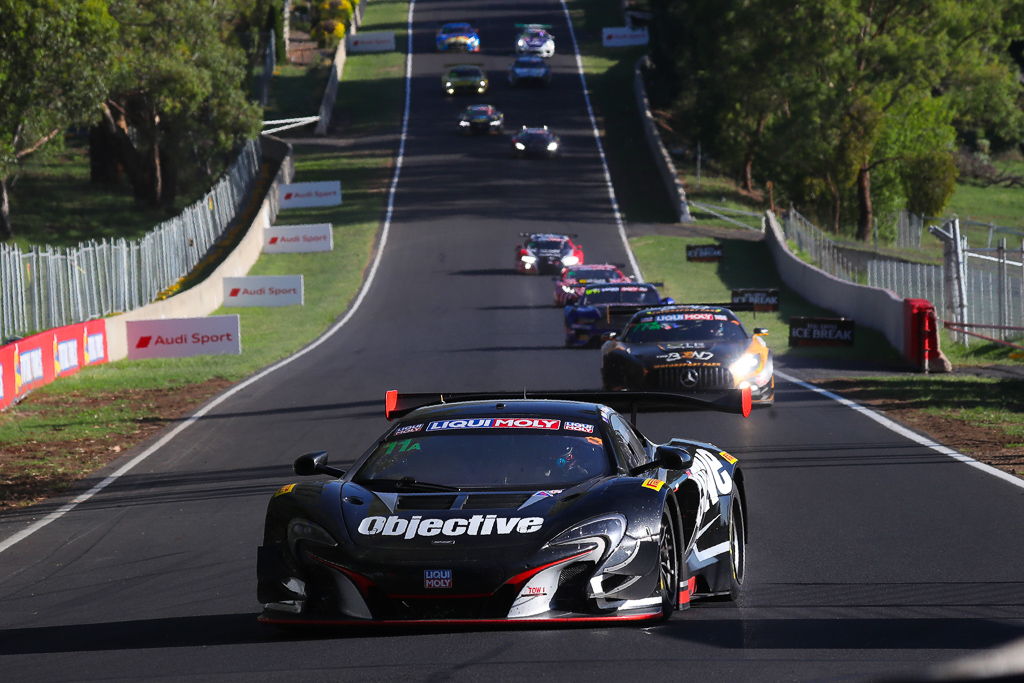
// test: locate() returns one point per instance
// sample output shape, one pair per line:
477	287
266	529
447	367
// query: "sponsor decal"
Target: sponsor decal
685	355
94	348
437	578
263	290
402	446
298	195
494	423
623	36
578	427
535	590
731	460
282	239
30	366
65	355
759	299
371	41
477	525
708	471
704	252
287	488
653	484
181	337
821	331
407	429
596	440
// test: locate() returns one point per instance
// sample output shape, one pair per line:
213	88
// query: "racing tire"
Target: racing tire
668	567
737	548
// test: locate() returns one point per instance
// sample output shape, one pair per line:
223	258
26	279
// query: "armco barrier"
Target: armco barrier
872	307
33	361
662	160
208	295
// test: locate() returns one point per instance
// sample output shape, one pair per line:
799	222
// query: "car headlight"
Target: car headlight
463	124
570	260
609	528
304	530
527	258
447	84
496	122
744	364
552	146
483	83
520	146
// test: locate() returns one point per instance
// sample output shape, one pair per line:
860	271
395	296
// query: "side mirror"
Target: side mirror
760	330
668	300
315	463
672	457
608	336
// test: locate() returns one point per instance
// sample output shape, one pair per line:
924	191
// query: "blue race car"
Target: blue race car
607	308
458	36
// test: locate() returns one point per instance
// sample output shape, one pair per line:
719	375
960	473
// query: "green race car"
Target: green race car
460	78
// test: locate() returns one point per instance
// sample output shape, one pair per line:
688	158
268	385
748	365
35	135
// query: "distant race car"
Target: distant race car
603	309
547	253
510	508
536	142
529	70
534	39
689	348
481	118
464	78
573	280
458	36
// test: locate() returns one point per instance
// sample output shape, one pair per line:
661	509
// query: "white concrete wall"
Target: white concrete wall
873	307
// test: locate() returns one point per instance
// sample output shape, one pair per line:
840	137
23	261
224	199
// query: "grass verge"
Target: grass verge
62	432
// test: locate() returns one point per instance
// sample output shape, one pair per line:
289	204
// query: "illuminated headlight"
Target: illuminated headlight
463	124
610	529
521	43
447	84
552	146
744	364
520	146
483	84
570	260
451	91
304	530
526	258
495	123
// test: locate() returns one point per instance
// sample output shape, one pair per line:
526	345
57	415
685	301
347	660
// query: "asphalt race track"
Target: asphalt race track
870	557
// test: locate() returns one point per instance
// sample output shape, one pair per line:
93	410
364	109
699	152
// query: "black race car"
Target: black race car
481	118
535	142
544	252
689	348
606	308
508	508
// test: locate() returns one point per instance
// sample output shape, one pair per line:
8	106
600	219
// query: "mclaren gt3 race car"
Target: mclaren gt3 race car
534	39
517	508
481	118
574	280
604	309
547	253
529	70
457	36
464	78
689	348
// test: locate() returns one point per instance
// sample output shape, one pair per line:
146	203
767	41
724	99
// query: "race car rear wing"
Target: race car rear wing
397	404
553	234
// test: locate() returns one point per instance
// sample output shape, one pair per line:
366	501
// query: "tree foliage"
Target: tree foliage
54	57
851	107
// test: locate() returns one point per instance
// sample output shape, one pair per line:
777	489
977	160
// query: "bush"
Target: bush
328	33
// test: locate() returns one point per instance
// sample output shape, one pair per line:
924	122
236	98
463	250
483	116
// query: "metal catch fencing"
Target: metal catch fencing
821	249
50	287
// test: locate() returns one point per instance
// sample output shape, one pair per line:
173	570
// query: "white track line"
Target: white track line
167	438
600	148
904	432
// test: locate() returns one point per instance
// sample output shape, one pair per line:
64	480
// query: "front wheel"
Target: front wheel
737	548
668	567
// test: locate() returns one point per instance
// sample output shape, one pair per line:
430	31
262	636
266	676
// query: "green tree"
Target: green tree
178	104
54	57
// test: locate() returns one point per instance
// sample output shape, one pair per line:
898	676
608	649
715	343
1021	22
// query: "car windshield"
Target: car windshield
593	274
455	28
546	245
529	63
619	295
487	452
465	72
684	327
479	110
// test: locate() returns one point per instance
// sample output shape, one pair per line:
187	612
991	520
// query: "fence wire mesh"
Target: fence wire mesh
49	287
